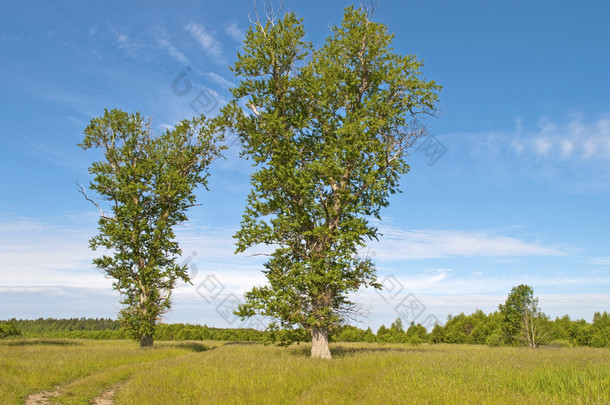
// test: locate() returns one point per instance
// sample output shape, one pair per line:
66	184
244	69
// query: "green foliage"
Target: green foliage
8	328
523	320
329	131
395	334
578	333
437	335
600	330
76	328
149	182
496	338
417	334
285	336
560	343
458	329
104	329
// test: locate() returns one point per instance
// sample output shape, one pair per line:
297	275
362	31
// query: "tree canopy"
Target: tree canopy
149	183
328	130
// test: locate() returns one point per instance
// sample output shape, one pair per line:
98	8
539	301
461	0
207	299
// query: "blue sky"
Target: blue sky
517	192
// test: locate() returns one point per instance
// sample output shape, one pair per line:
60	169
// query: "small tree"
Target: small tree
329	132
523	319
149	182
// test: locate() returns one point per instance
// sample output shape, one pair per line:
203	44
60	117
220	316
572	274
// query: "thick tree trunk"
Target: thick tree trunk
319	344
146	341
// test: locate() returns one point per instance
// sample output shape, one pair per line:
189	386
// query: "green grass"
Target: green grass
254	374
83	368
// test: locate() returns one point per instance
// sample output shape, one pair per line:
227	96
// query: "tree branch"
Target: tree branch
82	190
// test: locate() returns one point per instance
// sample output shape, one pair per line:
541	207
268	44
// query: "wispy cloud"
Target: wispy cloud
602	261
125	43
208	42
51	260
172	50
235	32
576	139
443	282
397	244
571	155
216	78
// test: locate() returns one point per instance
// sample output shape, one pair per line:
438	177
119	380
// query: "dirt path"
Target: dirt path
107	397
42	397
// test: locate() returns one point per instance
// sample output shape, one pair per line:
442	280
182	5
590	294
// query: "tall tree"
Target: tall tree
149	182
523	319
328	131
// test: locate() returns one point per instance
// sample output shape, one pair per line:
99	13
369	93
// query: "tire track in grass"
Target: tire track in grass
42	397
122	373
107	397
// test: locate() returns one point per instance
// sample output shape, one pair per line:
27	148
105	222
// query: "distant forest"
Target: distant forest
476	328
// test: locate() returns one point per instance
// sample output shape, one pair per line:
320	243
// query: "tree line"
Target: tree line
485	329
517	322
476	328
106	328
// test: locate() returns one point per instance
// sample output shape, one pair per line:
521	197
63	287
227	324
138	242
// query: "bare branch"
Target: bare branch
254	254
82	190
270	14
257	21
253	108
369	7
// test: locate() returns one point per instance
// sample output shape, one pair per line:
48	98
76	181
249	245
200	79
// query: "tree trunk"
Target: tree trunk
319	344
146	341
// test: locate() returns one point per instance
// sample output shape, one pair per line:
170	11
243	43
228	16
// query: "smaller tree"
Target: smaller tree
523	320
149	182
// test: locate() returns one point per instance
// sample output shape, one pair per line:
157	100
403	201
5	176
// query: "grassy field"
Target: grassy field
206	373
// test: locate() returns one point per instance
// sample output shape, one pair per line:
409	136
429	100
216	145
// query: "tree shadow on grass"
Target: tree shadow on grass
41	342
340	351
248	342
343	351
193	346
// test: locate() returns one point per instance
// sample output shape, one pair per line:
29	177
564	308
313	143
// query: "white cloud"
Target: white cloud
443	282
34	253
48	265
603	261
385	310
574	140
219	79
571	155
171	49
125	43
235	32
396	244
208	42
